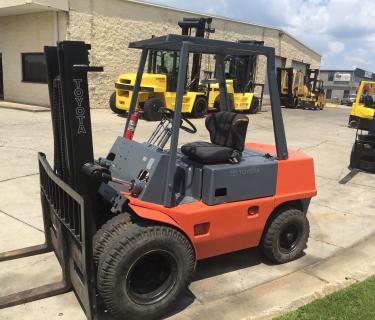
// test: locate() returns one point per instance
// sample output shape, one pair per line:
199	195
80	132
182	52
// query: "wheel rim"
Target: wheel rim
155	108
200	107
289	237
151	277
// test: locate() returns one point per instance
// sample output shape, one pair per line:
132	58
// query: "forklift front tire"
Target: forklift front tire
254	106
107	232
144	271
152	109
112	104
286	236
200	107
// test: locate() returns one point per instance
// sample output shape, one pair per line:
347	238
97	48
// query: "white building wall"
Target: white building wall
22	34
110	25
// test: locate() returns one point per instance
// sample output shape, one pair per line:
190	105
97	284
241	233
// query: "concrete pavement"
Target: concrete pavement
240	285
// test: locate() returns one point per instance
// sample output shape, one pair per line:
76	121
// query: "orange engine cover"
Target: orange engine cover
233	226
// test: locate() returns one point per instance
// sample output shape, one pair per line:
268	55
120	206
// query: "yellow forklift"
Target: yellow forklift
159	83
298	90
313	93
291	86
240	74
362	116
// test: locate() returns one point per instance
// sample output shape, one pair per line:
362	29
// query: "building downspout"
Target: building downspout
56	27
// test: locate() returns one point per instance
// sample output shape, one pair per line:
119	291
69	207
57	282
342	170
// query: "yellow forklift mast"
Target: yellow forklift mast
240	75
291	86
159	83
362	116
314	95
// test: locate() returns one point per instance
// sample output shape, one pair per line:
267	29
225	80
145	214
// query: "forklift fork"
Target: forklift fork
36	293
53	198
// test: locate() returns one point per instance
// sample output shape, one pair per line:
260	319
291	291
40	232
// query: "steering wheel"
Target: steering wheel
169	114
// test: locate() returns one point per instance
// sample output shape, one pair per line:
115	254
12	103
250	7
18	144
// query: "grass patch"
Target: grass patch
355	302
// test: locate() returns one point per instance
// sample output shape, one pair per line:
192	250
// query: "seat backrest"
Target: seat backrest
228	129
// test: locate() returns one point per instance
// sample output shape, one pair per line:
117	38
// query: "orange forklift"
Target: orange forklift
128	229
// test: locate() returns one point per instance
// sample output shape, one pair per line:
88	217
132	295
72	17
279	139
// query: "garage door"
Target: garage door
299	66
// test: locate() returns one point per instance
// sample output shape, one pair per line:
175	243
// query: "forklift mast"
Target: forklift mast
201	27
289	83
68	196
311	79
245	68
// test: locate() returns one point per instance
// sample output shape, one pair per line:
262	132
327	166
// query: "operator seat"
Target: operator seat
227	133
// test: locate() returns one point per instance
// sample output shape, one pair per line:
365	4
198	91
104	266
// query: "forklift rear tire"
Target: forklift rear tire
144	271
296	103
353	124
286	236
200	107
107	232
254	106
152	109
112	104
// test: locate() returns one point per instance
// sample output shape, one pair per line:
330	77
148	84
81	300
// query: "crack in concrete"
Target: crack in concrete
17	148
341	211
350	182
20	124
326	242
23	222
313	146
315	276
19	177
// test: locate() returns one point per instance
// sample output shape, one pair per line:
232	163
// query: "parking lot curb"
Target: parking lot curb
23	107
295	289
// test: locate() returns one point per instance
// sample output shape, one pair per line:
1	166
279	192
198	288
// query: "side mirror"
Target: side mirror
368	101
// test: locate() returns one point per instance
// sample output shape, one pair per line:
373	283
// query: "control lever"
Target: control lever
102	174
97	172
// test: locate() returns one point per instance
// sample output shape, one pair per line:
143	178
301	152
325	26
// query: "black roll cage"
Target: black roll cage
186	45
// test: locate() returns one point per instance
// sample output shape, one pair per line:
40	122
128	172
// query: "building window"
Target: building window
34	68
346	93
330	76
329	94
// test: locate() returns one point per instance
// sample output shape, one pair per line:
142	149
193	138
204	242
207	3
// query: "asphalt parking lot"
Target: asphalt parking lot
240	285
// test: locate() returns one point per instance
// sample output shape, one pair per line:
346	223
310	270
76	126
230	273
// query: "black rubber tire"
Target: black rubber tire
152	109
200	107
112	104
271	241
353	124
296	103
117	273
107	232
254	106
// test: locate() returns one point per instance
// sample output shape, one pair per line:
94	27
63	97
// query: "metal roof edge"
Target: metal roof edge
224	18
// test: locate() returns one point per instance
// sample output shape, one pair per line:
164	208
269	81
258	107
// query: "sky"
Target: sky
342	31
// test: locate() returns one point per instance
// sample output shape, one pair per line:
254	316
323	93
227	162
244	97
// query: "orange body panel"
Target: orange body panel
231	226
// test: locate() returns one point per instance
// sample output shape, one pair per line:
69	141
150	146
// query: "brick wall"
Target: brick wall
110	25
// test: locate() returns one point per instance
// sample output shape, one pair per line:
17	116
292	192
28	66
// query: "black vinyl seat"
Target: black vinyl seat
227	133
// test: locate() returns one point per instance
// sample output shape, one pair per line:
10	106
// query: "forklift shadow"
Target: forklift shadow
229	262
121	115
219	265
